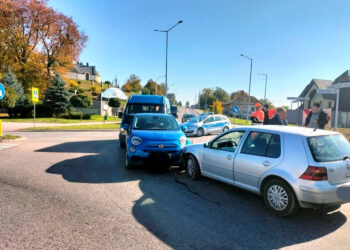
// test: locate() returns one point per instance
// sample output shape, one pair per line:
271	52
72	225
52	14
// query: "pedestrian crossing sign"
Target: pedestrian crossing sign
35	94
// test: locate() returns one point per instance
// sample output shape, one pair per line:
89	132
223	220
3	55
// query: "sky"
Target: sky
291	41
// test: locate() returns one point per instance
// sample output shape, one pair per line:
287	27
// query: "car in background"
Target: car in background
208	124
290	167
155	138
142	104
186	117
174	111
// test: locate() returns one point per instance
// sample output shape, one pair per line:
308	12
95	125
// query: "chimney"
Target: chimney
93	70
87	64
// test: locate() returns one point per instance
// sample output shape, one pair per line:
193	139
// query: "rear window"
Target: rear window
144	108
329	148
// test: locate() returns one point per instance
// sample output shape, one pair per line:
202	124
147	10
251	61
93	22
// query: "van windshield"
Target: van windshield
135	108
329	148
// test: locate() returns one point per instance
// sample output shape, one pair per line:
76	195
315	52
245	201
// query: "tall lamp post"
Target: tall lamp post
166	54
250	82
265	85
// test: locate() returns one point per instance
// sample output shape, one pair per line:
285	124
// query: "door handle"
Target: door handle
267	163
229	157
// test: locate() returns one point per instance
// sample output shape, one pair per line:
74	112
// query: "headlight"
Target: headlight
183	140
136	140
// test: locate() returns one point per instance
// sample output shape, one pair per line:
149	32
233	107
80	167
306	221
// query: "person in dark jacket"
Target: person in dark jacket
280	118
266	114
317	118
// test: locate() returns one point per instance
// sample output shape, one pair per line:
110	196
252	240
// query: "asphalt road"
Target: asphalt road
70	190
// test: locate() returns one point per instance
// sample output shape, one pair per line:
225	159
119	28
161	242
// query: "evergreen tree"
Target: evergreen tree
10	81
57	96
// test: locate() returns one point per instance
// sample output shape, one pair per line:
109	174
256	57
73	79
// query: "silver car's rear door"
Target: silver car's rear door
260	152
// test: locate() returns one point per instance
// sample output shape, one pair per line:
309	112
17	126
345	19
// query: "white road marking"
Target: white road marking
5	146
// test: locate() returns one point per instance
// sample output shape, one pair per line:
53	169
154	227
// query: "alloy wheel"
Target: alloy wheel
277	197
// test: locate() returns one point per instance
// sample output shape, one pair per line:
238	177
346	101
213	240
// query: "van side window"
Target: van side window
262	144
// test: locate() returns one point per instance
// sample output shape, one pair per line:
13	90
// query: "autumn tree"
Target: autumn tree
153	87
216	107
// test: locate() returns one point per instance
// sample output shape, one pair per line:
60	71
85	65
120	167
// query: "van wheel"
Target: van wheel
279	197
200	132
192	168
128	164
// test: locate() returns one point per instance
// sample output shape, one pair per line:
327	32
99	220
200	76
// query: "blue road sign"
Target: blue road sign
2	91
235	109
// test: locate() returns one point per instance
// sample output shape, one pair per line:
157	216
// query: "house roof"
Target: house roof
320	83
345	77
82	69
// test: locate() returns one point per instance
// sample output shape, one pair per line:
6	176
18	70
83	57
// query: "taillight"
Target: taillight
315	174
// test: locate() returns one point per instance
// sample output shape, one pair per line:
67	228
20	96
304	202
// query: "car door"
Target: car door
218	124
209	124
260	152
219	155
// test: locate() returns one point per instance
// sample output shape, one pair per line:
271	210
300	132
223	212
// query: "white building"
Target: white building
84	72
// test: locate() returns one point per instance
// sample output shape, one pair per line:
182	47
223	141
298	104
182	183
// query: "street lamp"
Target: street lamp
250	82
166	54
265	85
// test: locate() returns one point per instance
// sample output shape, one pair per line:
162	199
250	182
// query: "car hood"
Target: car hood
159	135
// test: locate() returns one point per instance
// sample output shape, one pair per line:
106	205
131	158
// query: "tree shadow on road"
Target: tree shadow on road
186	214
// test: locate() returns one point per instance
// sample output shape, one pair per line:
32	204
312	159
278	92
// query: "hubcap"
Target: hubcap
190	167
277	197
200	132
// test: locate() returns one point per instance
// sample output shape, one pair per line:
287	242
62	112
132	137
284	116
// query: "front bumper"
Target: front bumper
159	158
320	194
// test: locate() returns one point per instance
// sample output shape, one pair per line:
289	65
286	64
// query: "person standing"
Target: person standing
280	118
317	118
266	114
258	116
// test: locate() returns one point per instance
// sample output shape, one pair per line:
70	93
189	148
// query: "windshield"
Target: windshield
197	119
329	147
155	123
135	108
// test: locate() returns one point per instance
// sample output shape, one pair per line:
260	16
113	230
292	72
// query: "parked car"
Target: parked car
209	124
154	138
290	167
174	111
142	104
186	117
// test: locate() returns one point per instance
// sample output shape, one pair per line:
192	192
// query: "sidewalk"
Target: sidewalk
15	126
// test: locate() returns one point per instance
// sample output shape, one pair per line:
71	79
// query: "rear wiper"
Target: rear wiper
346	158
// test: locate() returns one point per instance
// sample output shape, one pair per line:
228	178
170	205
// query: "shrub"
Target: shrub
78	116
73	83
43	110
95	89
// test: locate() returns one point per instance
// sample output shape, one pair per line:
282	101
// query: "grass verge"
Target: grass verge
94	118
239	121
9	137
108	126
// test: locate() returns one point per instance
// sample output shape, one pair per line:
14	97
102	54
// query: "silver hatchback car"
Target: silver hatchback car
290	167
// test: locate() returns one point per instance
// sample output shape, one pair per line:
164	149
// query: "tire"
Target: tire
192	168
200	132
225	129
286	206
128	164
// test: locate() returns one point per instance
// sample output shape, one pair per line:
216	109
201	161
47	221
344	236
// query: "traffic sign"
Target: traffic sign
35	94
235	109
298	98
2	91
326	91
339	85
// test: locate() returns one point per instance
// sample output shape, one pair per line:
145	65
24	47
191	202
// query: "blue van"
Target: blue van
142	104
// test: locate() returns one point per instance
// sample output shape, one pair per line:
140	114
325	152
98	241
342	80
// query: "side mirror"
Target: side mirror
120	114
126	127
206	145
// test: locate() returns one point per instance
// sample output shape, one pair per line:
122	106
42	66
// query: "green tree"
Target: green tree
81	101
57	96
221	95
152	86
10	81
114	102
145	91
206	98
187	104
179	104
10	99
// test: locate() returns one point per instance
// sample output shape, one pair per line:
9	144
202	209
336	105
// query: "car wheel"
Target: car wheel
225	129
128	164
279	197
192	168
200	132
